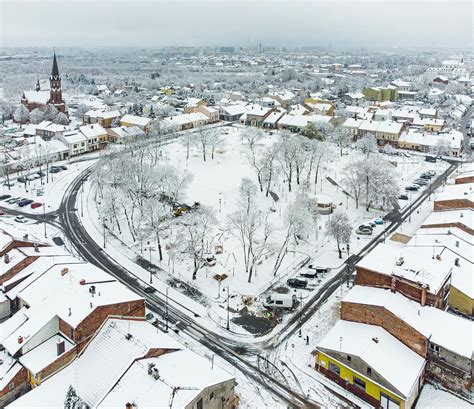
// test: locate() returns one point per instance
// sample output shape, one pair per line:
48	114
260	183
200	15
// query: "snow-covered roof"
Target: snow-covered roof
352	123
55	293
232	110
460	191
389	127
127	131
454	216
74	137
428	112
102	114
273	117
433	397
92	131
135	120
401	83
374	345
51	127
40	97
454	138
418	265
428	121
441	327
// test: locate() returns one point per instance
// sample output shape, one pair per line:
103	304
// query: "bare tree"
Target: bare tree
367	144
196	229
286	156
339	228
36	116
215	140
340	136
247	191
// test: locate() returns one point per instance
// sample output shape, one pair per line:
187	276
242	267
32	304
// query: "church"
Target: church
41	98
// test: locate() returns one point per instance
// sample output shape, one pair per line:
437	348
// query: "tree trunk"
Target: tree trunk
339	249
158	241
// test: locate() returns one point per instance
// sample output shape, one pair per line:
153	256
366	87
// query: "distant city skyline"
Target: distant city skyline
143	23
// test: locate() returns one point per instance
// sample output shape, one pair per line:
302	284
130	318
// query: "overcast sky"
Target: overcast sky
147	23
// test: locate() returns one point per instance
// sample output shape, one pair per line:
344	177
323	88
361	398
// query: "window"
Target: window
199	404
349	358
11	386
434	348
386	402
279	302
335	369
211	396
369	371
71	334
359	383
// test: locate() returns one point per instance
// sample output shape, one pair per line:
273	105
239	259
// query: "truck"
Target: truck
281	301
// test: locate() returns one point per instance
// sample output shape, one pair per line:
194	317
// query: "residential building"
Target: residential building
75	141
101	117
255	115
48	130
389	93
462	219
133	120
427	142
211	113
284	98
401	85
411	271
457	196
123	134
442	338
231	113
371	363
96	135
129	363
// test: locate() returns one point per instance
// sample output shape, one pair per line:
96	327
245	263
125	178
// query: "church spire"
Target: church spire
55	69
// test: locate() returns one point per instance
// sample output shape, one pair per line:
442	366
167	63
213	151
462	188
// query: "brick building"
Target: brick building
56	308
42	98
462	219
417	273
127	364
443	339
457	196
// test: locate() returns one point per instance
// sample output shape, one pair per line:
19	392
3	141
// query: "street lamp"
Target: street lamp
44	220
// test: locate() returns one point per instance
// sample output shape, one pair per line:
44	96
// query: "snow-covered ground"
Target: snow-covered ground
216	184
431	398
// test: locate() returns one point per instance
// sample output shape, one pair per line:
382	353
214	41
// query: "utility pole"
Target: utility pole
103	224
166	311
228	321
44	220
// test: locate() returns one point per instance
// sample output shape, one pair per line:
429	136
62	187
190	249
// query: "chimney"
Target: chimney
456	261
375	339
393	285
82	281
151	365
36	247
6	258
70	312
128	405
64	271
423	296
20	339
60	346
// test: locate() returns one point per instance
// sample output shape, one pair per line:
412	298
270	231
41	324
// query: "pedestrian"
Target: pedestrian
307	339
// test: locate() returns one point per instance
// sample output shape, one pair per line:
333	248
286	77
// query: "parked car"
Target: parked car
150	290
425	176
21	219
365	227
403	197
431	172
14	200
24	202
412	188
54	170
5	197
41	173
430	159
276	300
150	317
378	220
21	179
309	274
63	167
420	182
34	205
296	283
364	232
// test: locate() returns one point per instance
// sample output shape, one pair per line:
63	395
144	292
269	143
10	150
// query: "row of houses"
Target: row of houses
68	324
408	319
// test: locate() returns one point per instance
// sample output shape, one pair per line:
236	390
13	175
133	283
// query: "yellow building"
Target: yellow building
461	293
372	364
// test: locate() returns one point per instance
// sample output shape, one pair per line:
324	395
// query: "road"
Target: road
465	122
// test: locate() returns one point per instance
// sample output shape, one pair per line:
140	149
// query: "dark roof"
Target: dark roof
55	70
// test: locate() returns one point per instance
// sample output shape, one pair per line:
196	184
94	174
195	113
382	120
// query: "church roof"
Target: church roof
55	69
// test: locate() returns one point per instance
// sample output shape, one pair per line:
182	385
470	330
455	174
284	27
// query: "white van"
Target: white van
276	300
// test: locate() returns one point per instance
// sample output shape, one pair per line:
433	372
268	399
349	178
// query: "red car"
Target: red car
34	205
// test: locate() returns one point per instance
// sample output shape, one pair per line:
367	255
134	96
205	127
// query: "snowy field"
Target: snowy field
216	184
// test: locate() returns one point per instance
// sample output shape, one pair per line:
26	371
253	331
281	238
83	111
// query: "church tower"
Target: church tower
55	93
